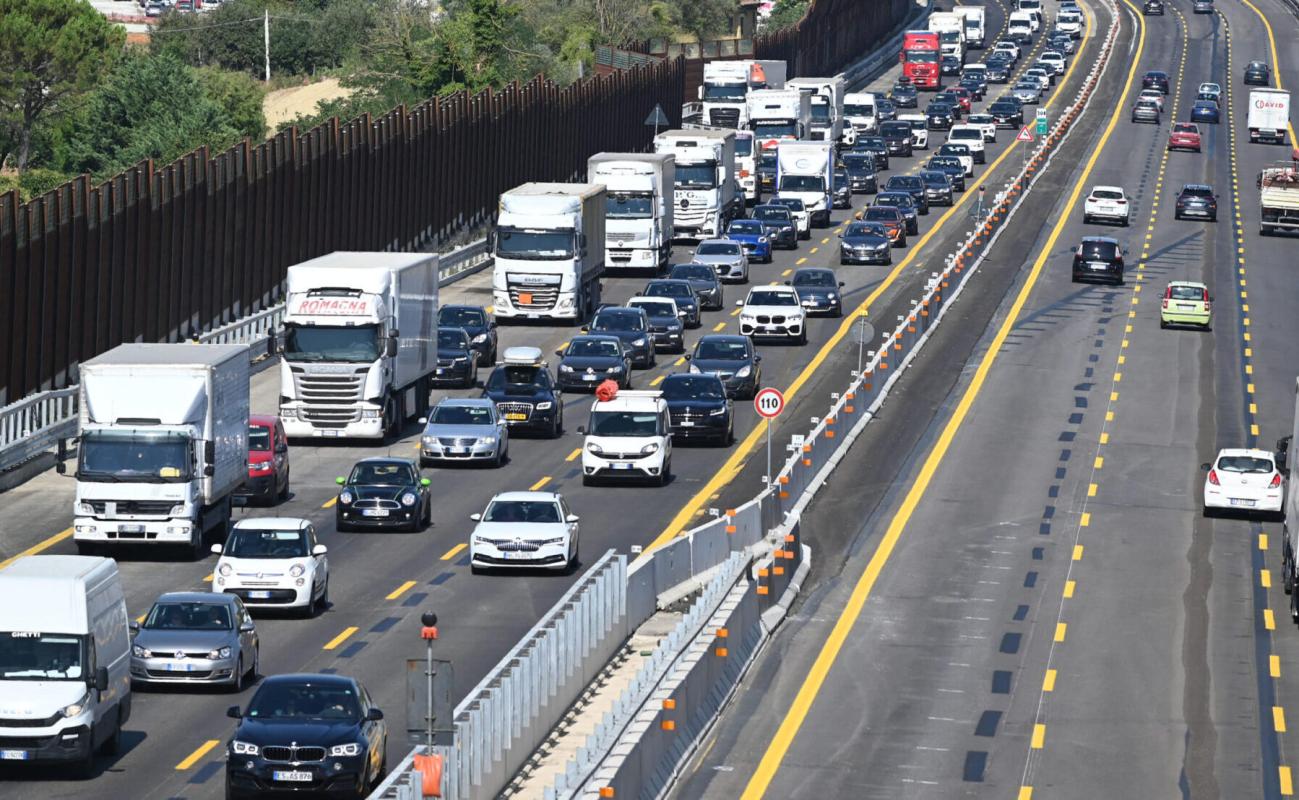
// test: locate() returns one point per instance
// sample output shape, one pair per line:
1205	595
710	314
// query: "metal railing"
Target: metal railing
37	423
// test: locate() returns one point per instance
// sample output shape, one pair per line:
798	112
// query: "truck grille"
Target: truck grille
154	508
724	117
321	392
292	754
540	298
691	216
6	722
619	238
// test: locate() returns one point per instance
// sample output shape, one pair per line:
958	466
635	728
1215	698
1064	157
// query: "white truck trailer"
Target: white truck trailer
779	114
975	25
826	98
746	166
549	245
706	198
638	208
1278	198
805	170
726	87
359	344
859	111
1269	115
163	444
950	28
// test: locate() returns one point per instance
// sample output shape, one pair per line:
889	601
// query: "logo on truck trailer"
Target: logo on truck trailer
331	307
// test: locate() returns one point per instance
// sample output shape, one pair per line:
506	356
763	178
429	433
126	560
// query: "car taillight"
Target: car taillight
1121	202
1276	481
1165	302
1213	477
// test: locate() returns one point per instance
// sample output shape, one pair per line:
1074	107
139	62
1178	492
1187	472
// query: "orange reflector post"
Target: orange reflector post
668	725
606	791
783	494
829	434
430	769
789	537
848	409
784	479
778	570
722	652
762	590
763	572
723	633
669	704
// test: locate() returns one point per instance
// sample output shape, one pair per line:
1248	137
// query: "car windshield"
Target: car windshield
462	415
625	423
932	178
718	249
452	339
771	214
259	438
1002	107
540	511
858	161
763	297
676	290
750	228
903	183
692	387
188	617
462	317
884	214
721	349
895	129
871	142
864	229
802	183
792	203
617	321
695	272
1100	250
1247	464
815	278
591	348
381	474
250	543
945	162
37	656
660	308
282	700
1185	293
895	199
1107	194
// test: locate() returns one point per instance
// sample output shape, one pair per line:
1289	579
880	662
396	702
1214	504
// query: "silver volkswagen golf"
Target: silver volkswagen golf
195	637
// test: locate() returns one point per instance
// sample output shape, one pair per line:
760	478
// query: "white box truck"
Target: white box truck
638	208
1269	115
975	25
805	170
549	246
779	114
950	28
65	661
359	344
706	198
859	112
163	444
1278	198
826	97
726	86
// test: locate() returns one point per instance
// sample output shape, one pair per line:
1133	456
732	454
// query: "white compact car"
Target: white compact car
970	136
773	311
986	123
919	130
1056	61
1243	480
274	562
520	530
629	437
1106	202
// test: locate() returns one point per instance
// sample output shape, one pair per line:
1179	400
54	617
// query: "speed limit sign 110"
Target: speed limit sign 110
769	403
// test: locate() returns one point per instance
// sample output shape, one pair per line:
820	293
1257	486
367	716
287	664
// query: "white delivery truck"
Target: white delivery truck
629	437
706	198
1269	115
975	25
65	661
805	170
1289	469
779	114
549	245
638	208
859	111
826	97
359	344
746	166
163	444
1278	198
726	86
950	27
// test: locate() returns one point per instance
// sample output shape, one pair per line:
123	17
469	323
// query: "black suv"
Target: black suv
1157	79
699	408
951	165
629	324
589	360
1197	200
1153	8
1258	74
1007	113
1098	258
457	359
525	394
874	146
317	735
476	322
861	172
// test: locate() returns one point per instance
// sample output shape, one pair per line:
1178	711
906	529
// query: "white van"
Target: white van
1020	26
65	660
629	437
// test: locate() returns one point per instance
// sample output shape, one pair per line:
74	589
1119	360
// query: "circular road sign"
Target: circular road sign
769	403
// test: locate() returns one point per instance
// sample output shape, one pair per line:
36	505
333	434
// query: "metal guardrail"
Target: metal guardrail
36	424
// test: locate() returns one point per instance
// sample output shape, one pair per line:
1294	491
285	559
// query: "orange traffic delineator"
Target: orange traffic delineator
669	704
762	590
722	652
668	725
730	529
778	570
606	791
829	434
784	480
762	572
429	767
789	537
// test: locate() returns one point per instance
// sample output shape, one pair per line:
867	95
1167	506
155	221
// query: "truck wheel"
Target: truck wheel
196	543
1287	568
113	744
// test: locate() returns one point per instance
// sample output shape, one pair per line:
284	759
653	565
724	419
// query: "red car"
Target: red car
964	97
268	461
1185	136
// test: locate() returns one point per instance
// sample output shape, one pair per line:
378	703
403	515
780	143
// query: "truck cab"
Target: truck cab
779	114
726	85
638	208
525	393
826	98
628	437
705	195
806	172
859	112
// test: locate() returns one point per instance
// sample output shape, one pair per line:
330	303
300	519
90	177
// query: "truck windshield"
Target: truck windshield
352	344
535	244
625	423
856	110
629	206
951	36
696	176
821	112
802	183
36	656
774	129
134	456
924	56
715	93
743	146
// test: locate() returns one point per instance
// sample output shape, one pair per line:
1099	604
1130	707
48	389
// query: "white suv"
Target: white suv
773	311
1106	202
972	137
629	438
274	562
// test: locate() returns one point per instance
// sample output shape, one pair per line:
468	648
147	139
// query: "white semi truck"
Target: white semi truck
638	208
726	87
779	114
975	25
1278	198
746	166
805	170
1269	115
163	445
706	195
549	246
950	28
1288	468
826	97
359	344
859	112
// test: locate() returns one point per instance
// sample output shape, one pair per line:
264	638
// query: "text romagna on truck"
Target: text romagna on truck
638	208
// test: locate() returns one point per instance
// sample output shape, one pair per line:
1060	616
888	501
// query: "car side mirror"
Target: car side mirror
739	304
423	420
319	550
340	480
374	714
425	482
841	284
687	356
216	548
757	359
581	430
233	712
101	679
1205	467
787	283
572	518
586	329
134	625
476	517
247	627
559	353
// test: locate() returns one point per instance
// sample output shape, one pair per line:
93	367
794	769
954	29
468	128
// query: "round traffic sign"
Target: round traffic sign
769	403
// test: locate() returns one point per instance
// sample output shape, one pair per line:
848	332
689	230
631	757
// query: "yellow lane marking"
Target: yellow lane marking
1069	587
1039	736
1283	773
1265	578
657	380
1278	719
207	578
203	749
38	547
330	502
342	637
545	479
735	313
1048	682
1060	629
802	260
1077	552
825	240
400	590
786	273
1025	793
1085	519
813	250
450	554
577	451
1269	621
721	326
1262	541
1274	666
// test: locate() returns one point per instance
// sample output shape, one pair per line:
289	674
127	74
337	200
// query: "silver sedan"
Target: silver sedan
195	637
464	429
726	257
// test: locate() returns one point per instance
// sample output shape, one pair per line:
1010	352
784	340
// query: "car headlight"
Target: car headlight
220	652
480	338
429	441
556	540
408	499
244	748
565	368
649	449
460	360
717	412
638	342
345	497
616	368
544	406
748	318
349	749
594	448
224	569
743	372
141	652
486	440
763	240
695	370
297	570
831	296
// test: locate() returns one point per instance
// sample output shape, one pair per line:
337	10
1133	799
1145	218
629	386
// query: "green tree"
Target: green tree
785	14
240	95
50	50
704	19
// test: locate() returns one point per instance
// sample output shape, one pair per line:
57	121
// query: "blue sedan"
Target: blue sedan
1205	111
752	237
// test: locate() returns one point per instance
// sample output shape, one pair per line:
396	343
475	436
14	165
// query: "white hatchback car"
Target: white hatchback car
1243	480
274	562
1107	202
773	311
521	530
970	136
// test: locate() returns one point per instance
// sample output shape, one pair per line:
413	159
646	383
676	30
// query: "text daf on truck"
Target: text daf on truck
726	86
549	252
638	208
359	344
705	196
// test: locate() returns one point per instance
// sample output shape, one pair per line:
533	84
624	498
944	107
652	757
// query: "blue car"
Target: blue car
752	237
1205	111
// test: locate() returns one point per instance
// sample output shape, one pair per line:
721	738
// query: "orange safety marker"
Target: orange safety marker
606	791
779	570
430	770
668	725
722	652
669	704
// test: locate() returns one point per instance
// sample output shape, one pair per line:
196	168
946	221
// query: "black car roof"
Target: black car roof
621	310
812	271
310	677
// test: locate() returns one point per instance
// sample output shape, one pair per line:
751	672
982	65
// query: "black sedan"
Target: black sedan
457	359
904	95
1007	113
939	116
874	146
383	492
842	190
683	292
913	185
1153	8
1258	74
1156	79
779	224
861	172
952	166
589	360
819	291
631	325
1197	200
1205	111
699	408
476	322
732	359
703	277
666	329
938	187
316	735
950	65
998	71
865	243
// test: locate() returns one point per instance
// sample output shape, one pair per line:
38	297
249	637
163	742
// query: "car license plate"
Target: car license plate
1240	501
516	417
130	529
183	667
514	555
588	377
1098	265
296	776
15	755
458	450
374	512
687	424
330	432
259	594
622	466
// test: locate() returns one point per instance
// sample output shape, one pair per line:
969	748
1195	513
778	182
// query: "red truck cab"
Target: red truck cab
268	460
920	58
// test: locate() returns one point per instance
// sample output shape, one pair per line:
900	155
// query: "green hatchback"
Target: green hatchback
1186	303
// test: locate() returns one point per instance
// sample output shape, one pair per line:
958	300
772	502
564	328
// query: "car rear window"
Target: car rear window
1249	464
1099	250
1185	293
1107	194
1185	128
